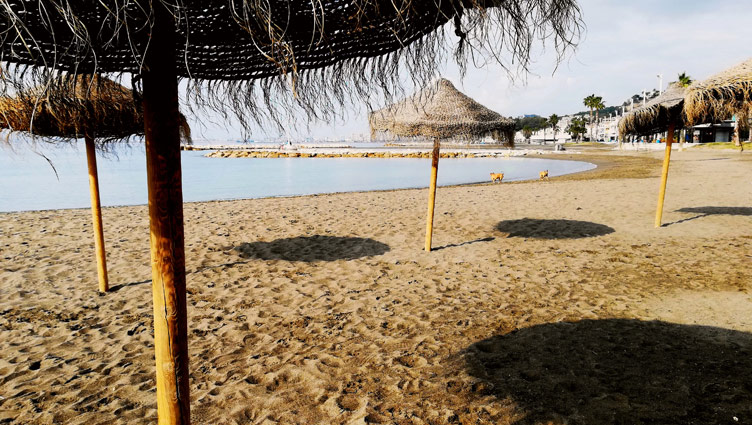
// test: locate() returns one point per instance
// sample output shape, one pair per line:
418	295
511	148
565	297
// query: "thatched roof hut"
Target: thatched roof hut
721	96
657	114
76	107
440	111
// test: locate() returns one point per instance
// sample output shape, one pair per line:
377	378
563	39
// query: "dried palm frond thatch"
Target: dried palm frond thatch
76	107
259	59
657	114
440	111
721	96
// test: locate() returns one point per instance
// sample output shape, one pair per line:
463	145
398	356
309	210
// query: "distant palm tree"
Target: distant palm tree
527	132
590	103
684	80
576	128
598	105
553	120
544	125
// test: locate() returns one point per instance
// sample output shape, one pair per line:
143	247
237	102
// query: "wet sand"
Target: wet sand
545	302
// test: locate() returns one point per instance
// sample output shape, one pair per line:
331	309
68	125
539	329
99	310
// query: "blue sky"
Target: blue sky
626	44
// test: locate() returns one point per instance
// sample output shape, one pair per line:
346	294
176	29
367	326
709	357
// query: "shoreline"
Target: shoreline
607	166
481	183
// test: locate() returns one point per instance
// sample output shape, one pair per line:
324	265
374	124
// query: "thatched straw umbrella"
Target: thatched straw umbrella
329	53
658	114
663	113
721	96
91	107
440	111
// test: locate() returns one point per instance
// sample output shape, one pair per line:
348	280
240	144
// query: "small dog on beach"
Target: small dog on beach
497	176
544	175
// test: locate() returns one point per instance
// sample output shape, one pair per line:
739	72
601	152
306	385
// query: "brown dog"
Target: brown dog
544	175
497	176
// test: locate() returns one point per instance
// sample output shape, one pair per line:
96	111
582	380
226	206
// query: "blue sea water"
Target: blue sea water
28	182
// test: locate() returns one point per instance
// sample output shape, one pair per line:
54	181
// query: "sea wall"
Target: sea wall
243	153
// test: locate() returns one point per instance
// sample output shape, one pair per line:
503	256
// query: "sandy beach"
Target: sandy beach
544	303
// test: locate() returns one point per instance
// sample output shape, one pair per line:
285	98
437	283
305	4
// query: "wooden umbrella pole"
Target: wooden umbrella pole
432	193
160	103
96	214
664	175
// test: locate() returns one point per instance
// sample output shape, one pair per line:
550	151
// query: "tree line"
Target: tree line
531	124
578	124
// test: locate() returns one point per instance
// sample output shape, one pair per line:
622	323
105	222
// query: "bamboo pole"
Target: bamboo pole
432	193
160	103
664	175
96	215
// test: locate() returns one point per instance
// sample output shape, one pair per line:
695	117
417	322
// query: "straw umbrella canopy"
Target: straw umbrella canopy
237	55
439	111
657	114
79	106
75	107
325	53
722	95
90	107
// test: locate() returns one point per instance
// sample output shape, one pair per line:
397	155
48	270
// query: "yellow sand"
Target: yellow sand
325	310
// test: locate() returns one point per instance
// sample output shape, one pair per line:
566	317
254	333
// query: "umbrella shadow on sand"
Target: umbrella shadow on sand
552	229
708	211
312	248
619	371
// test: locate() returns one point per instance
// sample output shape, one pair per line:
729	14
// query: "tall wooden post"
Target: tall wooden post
664	175
160	102
432	193
96	214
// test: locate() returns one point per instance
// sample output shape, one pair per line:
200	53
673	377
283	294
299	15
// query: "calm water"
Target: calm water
27	182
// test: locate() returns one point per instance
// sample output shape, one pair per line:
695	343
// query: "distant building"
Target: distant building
608	129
